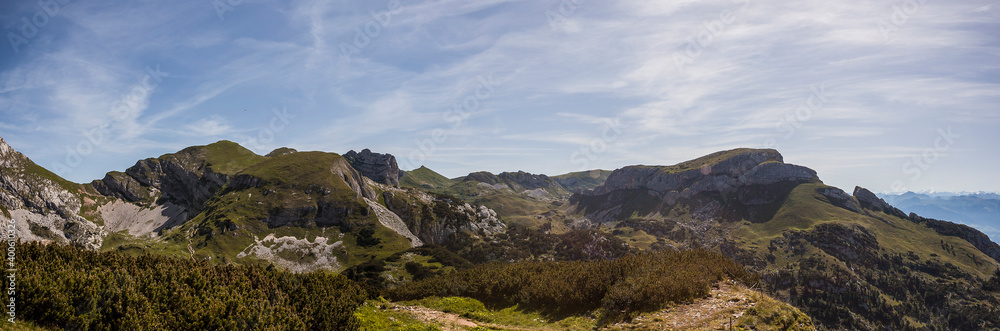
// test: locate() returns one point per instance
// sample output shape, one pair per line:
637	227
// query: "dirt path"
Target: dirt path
445	321
726	305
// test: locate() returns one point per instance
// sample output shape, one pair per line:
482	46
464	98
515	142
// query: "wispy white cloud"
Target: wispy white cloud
559	83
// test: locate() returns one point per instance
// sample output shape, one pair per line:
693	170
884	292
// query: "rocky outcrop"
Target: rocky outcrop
576	182
281	151
722	174
185	179
42	204
437	219
532	185
738	184
870	201
839	198
529	181
381	168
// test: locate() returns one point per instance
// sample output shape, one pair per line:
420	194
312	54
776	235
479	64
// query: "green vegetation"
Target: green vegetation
302	195
508	317
582	180
424	178
770	312
712	159
33	168
126	244
224	157
827	260
413	264
61	286
620	288
520	243
374	316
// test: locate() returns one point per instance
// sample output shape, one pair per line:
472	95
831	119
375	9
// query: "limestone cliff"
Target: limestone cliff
43	205
732	185
381	168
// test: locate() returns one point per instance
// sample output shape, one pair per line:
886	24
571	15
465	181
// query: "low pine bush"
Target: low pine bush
65	287
619	288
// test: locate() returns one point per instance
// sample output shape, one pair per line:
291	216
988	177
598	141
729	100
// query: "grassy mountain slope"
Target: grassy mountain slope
303	200
846	266
826	260
424	178
582	180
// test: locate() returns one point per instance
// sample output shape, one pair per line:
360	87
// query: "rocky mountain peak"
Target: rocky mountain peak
527	180
381	168
714	172
41	203
751	182
9	157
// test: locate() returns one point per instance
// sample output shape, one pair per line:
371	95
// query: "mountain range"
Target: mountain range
980	210
848	261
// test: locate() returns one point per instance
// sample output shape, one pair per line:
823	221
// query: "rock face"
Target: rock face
42	204
840	198
381	168
185	179
537	186
577	182
438	219
738	184
870	201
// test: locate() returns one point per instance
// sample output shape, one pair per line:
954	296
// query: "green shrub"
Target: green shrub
62	286
620	288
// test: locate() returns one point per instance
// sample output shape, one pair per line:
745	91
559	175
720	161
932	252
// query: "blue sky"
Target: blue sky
890	95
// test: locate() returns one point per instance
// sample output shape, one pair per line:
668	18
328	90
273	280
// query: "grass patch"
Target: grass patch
373	316
582	180
771	314
224	157
32	168
511	316
424	178
712	159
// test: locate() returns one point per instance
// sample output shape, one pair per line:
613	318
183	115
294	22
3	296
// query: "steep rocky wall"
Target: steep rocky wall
42	208
381	168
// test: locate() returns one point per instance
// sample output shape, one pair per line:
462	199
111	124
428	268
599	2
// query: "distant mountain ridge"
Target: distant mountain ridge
978	209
